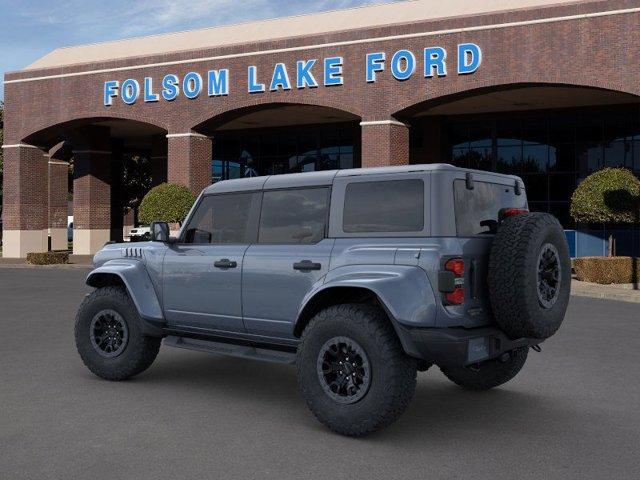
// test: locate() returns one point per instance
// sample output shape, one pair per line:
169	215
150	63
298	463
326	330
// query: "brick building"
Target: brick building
546	89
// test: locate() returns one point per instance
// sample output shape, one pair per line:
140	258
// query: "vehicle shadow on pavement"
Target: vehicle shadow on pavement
440	412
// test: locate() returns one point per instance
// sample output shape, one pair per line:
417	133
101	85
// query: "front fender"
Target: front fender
405	291
133	274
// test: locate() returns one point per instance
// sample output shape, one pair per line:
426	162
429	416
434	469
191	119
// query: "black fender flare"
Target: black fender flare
133	275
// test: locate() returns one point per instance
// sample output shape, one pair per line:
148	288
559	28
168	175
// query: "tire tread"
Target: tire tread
401	368
141	350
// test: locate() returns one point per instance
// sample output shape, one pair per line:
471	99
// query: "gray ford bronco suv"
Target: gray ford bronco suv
360	277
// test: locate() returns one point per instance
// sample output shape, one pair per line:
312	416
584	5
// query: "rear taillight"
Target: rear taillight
510	212
456	267
456	297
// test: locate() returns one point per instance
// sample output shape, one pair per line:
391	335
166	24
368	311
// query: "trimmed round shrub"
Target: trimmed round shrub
166	203
611	195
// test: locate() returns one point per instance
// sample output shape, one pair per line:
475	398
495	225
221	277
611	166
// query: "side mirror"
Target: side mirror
160	232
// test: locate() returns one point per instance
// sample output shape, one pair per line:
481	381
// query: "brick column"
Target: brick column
91	189
25	201
158	160
189	160
91	200
384	143
58	190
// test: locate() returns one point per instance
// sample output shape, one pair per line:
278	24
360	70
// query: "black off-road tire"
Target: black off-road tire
513	276
489	374
140	350
392	372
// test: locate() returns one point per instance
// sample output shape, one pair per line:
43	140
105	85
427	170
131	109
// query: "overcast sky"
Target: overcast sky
31	28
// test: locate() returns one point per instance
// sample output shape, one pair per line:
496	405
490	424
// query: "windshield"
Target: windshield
477	210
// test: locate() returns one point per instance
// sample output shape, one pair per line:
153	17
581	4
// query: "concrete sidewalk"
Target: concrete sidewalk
622	292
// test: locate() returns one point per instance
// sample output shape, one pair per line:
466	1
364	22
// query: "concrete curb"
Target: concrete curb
66	266
621	293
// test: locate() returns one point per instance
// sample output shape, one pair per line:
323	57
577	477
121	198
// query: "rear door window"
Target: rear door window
297	216
477	209
384	206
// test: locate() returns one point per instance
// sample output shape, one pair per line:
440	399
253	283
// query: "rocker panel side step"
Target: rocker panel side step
231	349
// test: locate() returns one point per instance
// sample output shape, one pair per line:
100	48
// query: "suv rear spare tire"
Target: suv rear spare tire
529	275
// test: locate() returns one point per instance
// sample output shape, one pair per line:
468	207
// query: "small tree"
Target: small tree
136	182
610	196
167	203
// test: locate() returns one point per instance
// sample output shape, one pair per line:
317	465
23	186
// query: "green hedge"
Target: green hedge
48	258
610	195
607	270
167	203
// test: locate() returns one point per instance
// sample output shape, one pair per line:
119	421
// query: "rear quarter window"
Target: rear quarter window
477	209
384	206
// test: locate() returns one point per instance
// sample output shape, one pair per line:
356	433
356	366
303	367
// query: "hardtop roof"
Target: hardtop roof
326	178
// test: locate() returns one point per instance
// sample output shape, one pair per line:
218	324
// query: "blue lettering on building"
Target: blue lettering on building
304	74
192	85
254	86
130	91
280	79
170	89
375	64
435	60
149	95
403	65
309	73
469	58
218	82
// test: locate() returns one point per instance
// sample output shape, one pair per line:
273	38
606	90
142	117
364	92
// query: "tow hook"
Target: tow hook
536	348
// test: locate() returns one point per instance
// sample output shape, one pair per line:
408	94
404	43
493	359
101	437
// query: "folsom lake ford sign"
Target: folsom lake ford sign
311	73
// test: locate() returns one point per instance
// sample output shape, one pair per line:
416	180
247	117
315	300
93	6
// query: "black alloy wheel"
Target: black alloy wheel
549	275
109	333
344	370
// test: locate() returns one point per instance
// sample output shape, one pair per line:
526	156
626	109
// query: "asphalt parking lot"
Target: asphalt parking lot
572	413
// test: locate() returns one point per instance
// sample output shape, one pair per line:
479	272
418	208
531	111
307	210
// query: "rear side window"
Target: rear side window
220	219
385	206
294	216
477	209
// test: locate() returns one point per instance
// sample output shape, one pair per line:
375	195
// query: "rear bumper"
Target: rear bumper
462	346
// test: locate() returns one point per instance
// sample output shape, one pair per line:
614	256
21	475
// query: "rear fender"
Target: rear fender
403	291
133	275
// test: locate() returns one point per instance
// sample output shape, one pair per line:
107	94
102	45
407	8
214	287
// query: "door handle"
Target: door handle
225	263
306	266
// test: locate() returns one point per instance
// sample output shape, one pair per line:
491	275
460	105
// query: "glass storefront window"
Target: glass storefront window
589	157
535	158
509	159
537	187
552	151
250	153
619	153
